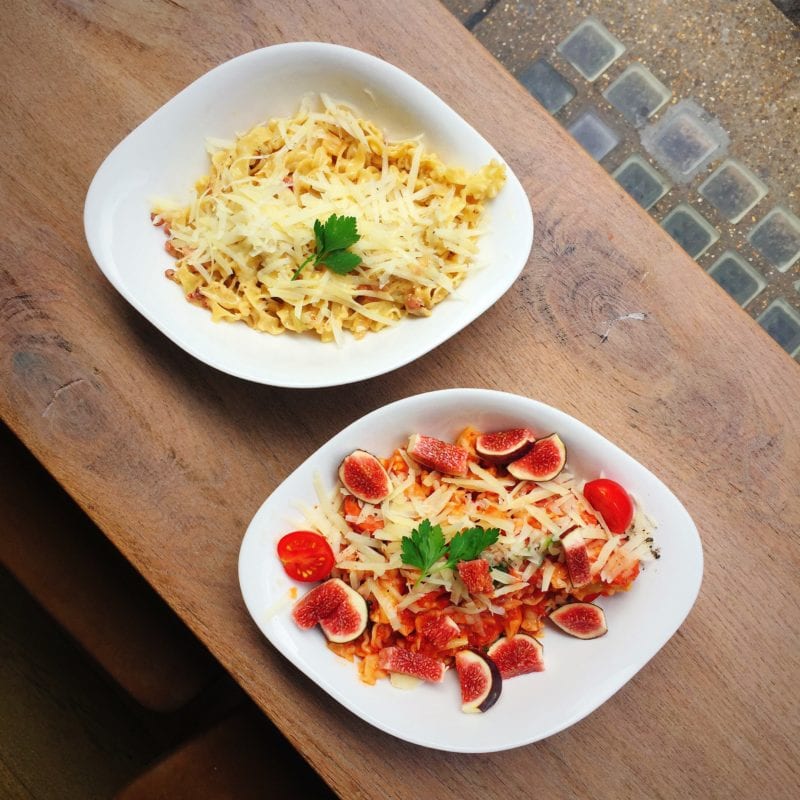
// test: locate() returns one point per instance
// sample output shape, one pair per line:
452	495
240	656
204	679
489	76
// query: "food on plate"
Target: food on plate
610	500
436	454
543	462
306	556
458	561
582	620
517	655
480	680
411	662
317	222
339	610
364	477
501	447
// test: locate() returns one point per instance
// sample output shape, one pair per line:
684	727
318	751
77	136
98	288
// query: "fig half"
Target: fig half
348	621
320	602
436	454
340	611
518	655
582	620
481	682
504	446
364	477
407	662
543	462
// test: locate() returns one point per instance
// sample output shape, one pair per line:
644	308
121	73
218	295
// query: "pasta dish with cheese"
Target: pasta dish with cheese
250	225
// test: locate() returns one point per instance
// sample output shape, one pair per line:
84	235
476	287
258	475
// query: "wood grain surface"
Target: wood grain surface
172	458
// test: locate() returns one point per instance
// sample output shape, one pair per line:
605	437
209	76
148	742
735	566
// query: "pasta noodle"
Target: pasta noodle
250	223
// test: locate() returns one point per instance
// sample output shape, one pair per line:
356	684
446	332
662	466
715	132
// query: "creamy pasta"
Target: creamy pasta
249	225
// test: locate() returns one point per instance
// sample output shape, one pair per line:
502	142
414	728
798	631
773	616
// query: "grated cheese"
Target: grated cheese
250	225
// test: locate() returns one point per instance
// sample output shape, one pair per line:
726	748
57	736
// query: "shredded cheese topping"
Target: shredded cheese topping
527	562
250	225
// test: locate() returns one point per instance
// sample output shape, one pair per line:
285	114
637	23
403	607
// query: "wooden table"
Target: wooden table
172	458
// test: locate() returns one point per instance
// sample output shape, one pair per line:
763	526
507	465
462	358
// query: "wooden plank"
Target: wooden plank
171	458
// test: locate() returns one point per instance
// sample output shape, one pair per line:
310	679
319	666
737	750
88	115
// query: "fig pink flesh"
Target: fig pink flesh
396	659
584	620
364	477
472	677
436	454
475	575
480	680
578	564
503	446
542	462
440	630
320	602
346	621
517	656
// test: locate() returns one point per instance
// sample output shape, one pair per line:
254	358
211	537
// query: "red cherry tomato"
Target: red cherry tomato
612	502
306	556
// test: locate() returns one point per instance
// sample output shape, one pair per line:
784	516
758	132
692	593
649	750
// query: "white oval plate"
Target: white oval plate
166	154
580	675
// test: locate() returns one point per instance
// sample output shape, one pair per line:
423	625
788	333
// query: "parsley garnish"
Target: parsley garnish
469	544
332	240
426	546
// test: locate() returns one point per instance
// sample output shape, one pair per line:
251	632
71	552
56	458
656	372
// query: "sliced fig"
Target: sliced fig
440	630
348	620
340	611
364	477
504	446
542	462
481	682
407	662
583	620
320	602
475	575
580	569
518	655
436	454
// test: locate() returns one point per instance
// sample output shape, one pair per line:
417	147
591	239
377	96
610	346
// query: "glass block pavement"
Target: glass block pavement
615	75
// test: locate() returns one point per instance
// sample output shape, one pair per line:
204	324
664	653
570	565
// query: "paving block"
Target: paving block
643	183
468	11
591	48
690	229
637	94
547	85
782	323
739	279
594	134
685	140
777	238
733	190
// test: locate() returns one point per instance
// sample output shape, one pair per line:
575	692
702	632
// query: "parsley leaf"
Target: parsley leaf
424	547
331	241
341	262
339	233
469	544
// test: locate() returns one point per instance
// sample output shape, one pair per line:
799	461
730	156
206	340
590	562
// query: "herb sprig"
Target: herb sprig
331	241
426	546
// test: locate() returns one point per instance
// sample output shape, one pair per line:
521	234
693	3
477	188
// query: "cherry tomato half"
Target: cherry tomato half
306	556
612	502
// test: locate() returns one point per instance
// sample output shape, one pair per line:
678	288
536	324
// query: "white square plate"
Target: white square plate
579	675
166	154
